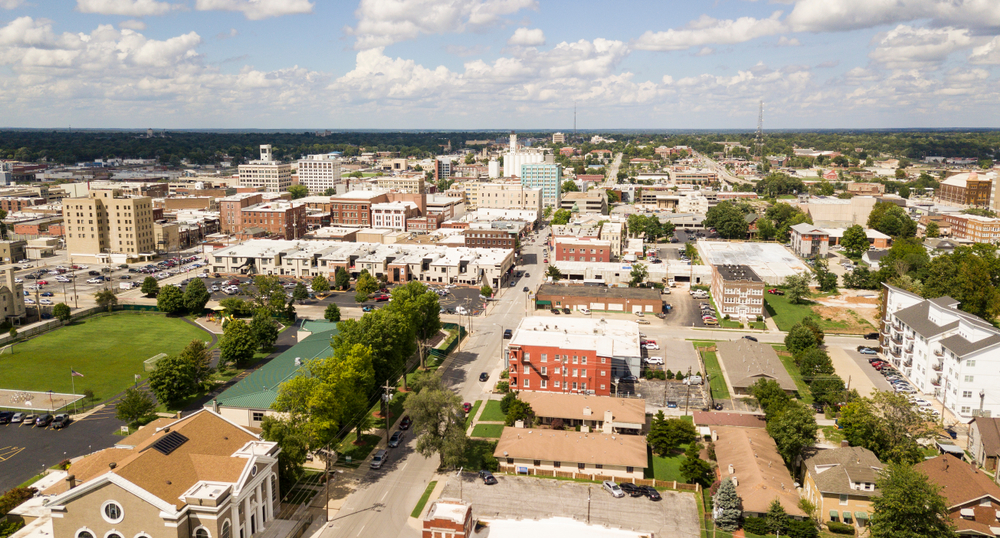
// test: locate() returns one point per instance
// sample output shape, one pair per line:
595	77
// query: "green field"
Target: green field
487	430
803	389
714	371
492	412
666	469
786	315
107	350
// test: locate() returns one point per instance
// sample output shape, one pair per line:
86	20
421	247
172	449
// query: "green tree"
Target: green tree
932	230
341	279
828	390
855	241
766	231
776	518
693	469
134	405
389	335
263	329
196	296
728	219
800	338
365	286
197	354
294	442
891	219
569	186
332	313
320	284
299	292
638	275
150	286
520	410
813	362
172	380
797	287
106	299
298	191
888	424
770	396
729	506
793	429
825	280
237	307
554	272
438	423
423	309
237	345
909	506
547	212
562	216
61	312
486	291
658	437
330	191
170	300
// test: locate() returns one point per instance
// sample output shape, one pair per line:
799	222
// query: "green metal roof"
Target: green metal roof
259	389
317	325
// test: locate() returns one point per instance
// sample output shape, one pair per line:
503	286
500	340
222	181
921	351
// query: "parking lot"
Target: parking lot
517	497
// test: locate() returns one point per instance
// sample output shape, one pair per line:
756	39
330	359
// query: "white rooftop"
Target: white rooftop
608	337
354	195
448	510
771	261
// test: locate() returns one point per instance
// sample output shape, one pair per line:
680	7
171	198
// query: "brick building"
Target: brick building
19	203
51	226
974	228
393	215
599	298
966	190
479	238
571	249
355	207
738	291
573	355
448	518
279	218
231	208
866	189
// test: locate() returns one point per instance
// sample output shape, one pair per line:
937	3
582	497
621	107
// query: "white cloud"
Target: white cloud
10	4
709	31
705	51
786	42
526	37
384	22
226	35
256	10
988	54
132	25
906	47
842	15
128	8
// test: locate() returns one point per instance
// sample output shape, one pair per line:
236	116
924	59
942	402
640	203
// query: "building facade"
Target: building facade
106	223
973	500
481	238
738	291
967	189
809	241
943	351
840	483
284	219
547	177
266	173
599	298
572	249
583	455
393	215
354	208
974	228
231	210
409	183
506	195
319	172
592	201
984	442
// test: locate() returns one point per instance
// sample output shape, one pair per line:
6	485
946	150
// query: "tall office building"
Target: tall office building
547	177
442	168
109	224
514	158
319	172
273	176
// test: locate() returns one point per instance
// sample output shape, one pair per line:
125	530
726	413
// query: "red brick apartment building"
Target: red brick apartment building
355	207
11	204
476	238
281	218
572	355
448	518
231	208
582	250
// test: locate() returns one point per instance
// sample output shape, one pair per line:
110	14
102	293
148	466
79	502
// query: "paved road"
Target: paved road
382	503
611	179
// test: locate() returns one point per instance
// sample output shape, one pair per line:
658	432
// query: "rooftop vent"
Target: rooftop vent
168	443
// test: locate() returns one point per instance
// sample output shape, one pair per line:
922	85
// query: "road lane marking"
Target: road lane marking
4	456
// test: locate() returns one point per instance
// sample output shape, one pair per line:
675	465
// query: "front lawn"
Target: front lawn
800	385
472	413
714	371
107	350
357	452
487	430
666	469
784	313
492	412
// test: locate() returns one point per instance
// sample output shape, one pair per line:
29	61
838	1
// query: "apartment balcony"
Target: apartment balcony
897	340
936	381
907	363
909	337
886	329
937	366
898	327
939	353
895	352
909	349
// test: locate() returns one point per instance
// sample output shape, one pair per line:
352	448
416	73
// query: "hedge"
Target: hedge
756	525
801	529
840	528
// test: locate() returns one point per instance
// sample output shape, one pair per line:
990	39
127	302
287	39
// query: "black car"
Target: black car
565	310
487	477
5	417
871	336
484	376
651	492
631	489
61	421
404	423
94	273
526	289
751	338
395	439
43	420
555	310
508	334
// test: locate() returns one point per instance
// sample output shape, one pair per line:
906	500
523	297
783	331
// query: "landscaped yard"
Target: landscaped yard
472	413
492	412
666	469
833	320
487	430
714	371
107	350
803	389
832	434
358	452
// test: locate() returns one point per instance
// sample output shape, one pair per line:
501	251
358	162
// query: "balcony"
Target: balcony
909	349
937	367
885	329
897	340
909	337
898	327
895	352
936	381
907	363
939	353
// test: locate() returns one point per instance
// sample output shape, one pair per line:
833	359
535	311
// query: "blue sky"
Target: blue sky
497	64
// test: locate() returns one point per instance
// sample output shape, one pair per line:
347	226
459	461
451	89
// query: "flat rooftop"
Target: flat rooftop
770	261
645	294
608	337
737	272
556	527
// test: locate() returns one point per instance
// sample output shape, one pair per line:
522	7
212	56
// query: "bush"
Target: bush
14	497
840	528
756	525
801	529
557	424
668	374
503	386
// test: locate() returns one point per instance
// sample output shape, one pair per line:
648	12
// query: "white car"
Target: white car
203	275
94	280
654	360
614	489
693	380
19	280
45	301
29	301
585	311
651	346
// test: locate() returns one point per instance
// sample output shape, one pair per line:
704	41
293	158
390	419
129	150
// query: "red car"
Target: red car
466	407
546	260
382	297
775	291
43	282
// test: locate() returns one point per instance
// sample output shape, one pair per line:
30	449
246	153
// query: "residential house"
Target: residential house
750	458
809	240
578	454
840	483
973	499
591	413
746	362
984	442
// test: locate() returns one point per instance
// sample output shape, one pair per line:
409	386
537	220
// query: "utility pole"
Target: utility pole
588	505
944	395
385	398
687	392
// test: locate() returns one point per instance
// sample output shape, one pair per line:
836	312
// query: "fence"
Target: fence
51	324
553	473
440	353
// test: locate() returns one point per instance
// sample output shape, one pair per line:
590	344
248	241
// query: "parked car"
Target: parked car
555	311
47	294
651	492
631	489
775	291
693	380
484	376
525	290
396	438
584	311
43	420
613	489
871	336
6	417
654	360
508	334
487	477
466	407
751	338
380	298
566	310
404	423
367	308
867	351
378	459
17	418
61	421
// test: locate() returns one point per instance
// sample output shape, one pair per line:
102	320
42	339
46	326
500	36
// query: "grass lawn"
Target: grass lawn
357	453
665	468
107	350
492	412
472	413
785	313
395	410
714	371
423	499
832	434
479	455
487	430
804	393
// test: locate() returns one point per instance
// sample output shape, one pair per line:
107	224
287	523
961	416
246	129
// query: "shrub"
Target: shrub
840	528
14	497
505	374
669	374
801	529
650	374
557	424
714	488
756	525
503	386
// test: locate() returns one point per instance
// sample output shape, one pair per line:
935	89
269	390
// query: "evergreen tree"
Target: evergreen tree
728	506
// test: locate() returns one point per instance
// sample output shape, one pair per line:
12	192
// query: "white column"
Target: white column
246	516
260	506
270	496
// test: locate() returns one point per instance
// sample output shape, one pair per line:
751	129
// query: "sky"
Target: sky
499	64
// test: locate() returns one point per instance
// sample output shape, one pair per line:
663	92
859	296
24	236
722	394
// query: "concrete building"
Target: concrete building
876	239
547	177
967	189
231	210
354	208
838	213
506	195
11	294
750	458
6	173
319	172
489	238
266	173
599	298
616	233
592	201
558	138
974	228
973	500
591	413
13	251
198	476
587	355
943	351
770	261
448	518
286	220
810	241
539	451
865	189
393	215
409	183
442	168
108	224
515	157
746	362
840	483
738	292
573	249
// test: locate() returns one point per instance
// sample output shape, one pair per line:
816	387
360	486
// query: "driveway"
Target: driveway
853	366
516	497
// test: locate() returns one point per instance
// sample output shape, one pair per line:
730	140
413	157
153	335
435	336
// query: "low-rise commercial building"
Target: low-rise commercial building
570	249
393	215
448	518
591	413
840	483
231	210
489	238
574	355
599	298
283	219
746	362
974	228
810	241
354	208
547	452
504	195
592	201
738	291
13	251
966	189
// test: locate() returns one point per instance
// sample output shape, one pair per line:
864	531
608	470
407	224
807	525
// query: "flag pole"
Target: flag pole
73	381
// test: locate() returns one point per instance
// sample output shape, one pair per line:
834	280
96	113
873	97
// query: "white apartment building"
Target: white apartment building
558	138
393	215
272	175
943	351
319	172
547	177
514	159
6	173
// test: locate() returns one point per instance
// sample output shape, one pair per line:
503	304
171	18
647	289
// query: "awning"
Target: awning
542	303
834	514
863	516
847	516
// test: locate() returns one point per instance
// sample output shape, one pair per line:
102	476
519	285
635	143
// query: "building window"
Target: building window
970	364
112	512
630	469
527	383
557	464
602	386
581	466
544	384
968	379
967	394
201	532
84	534
599	466
843	500
537	463
557	384
545	357
258	416
966	410
583	359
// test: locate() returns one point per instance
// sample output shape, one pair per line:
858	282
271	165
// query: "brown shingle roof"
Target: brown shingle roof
989	433
746	362
572	447
962	484
834	469
760	471
571	406
743	420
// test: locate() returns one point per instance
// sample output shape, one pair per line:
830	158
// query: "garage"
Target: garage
616	307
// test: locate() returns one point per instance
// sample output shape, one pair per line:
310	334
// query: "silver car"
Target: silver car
613	489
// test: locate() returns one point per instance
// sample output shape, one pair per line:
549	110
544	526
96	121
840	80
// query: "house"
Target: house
746	362
710	419
448	518
809	240
973	499
535	451
984	442
594	413
873	258
840	482
199	476
750	458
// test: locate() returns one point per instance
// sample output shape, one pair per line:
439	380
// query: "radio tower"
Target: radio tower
758	139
